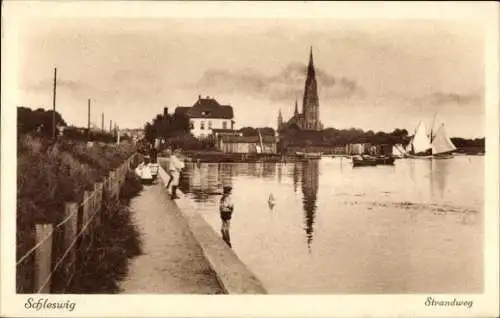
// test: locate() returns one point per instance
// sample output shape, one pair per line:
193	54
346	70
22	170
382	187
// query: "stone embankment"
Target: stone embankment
181	252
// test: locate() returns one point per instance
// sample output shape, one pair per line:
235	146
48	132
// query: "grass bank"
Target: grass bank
116	241
49	175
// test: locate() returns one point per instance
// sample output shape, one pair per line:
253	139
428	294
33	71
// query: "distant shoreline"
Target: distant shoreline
210	156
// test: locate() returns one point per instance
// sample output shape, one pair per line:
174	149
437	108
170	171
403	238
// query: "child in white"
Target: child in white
143	170
175	168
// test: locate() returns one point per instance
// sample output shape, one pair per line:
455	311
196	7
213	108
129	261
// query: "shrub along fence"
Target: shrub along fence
60	248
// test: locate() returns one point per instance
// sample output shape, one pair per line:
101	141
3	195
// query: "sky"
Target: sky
372	74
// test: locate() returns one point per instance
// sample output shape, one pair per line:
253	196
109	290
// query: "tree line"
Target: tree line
331	137
39	122
175	129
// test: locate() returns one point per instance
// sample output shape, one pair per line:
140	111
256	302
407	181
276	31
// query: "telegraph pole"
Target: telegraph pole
54	106
110	126
118	135
88	120
102	122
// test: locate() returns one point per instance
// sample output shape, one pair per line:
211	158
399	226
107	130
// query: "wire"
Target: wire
31	250
65	254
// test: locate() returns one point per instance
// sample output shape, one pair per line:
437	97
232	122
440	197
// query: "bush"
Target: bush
51	174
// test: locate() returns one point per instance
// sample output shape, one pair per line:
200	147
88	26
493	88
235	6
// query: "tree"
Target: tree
249	131
38	121
149	132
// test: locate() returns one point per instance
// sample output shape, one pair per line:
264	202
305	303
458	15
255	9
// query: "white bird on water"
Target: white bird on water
271	201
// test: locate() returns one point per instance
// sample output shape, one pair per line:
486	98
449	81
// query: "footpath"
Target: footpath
172	261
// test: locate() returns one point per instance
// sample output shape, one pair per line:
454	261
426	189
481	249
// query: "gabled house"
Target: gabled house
207	115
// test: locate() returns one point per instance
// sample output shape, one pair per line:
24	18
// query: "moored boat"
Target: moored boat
309	155
363	161
313	155
384	160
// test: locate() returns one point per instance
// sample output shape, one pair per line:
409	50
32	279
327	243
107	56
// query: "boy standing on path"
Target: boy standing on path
226	211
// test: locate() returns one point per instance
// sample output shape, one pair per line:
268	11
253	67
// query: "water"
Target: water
415	227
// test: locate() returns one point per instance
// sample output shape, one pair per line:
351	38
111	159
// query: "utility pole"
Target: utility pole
110	126
54	106
88	120
102	122
118	135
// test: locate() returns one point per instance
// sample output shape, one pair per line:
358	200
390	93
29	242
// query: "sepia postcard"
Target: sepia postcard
250	159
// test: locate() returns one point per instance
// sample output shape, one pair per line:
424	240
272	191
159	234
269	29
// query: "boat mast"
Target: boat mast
261	142
432	127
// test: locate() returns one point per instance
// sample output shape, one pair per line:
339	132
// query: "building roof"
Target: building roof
247	139
206	108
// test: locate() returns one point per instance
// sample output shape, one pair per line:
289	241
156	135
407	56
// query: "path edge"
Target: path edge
231	273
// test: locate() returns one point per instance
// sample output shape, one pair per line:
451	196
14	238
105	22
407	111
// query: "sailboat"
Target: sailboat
398	151
422	146
442	146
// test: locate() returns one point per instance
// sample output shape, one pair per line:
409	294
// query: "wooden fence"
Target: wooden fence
60	248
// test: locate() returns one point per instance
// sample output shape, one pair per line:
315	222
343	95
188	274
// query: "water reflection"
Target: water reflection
296	176
310	183
439	171
432	207
280	173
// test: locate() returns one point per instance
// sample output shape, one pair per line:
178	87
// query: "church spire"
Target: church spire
310	103
310	67
296	112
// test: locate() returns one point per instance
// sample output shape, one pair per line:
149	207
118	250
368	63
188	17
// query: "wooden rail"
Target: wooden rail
59	248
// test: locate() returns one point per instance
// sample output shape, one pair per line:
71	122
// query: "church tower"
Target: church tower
310	104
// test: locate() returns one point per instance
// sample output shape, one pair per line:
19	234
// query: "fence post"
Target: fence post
117	183
95	207
87	234
100	186
43	258
112	184
70	232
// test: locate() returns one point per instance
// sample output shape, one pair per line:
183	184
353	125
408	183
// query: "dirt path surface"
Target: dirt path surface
172	261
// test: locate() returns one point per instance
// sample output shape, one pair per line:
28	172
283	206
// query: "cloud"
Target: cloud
450	99
70	85
286	85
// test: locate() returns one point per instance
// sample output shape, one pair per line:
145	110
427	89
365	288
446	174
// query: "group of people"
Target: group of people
147	170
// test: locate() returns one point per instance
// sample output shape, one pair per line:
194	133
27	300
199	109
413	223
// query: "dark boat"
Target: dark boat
385	160
359	161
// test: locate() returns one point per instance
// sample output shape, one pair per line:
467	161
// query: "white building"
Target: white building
207	114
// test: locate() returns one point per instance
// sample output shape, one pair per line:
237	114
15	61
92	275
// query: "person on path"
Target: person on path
143	170
168	154
226	211
175	168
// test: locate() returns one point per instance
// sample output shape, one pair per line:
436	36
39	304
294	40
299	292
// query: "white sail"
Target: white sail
441	142
398	151
420	141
